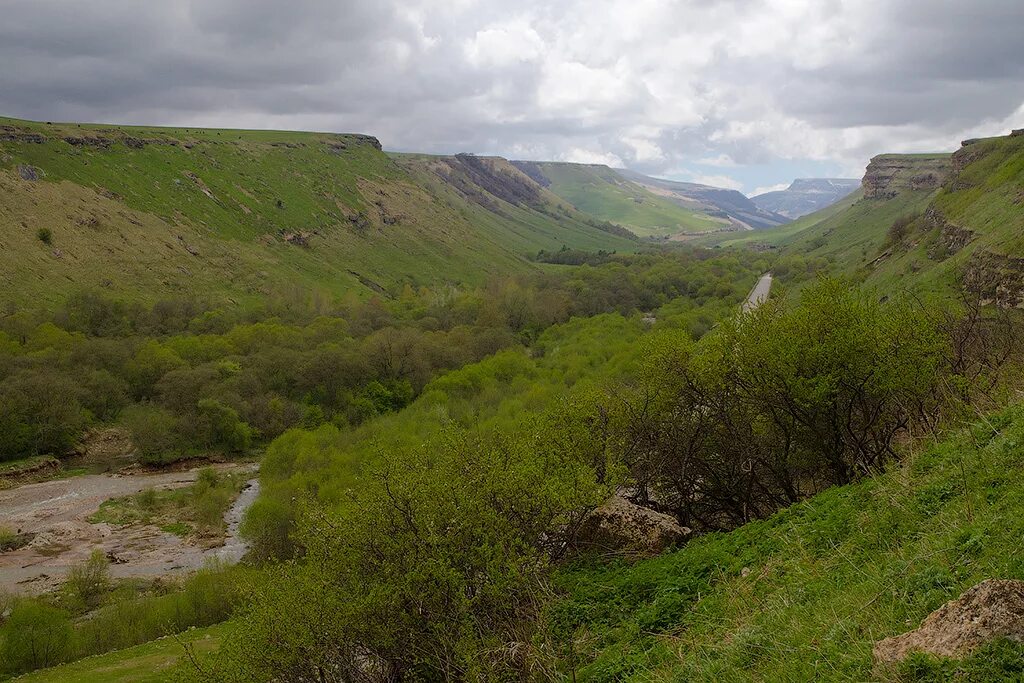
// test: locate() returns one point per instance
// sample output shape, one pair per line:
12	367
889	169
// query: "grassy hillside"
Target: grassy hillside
778	236
600	191
154	212
960	222
152	662
805	593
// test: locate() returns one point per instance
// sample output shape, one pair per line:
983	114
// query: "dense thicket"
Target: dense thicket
187	377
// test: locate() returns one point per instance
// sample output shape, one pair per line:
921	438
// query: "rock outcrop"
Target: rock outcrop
952	237
620	526
889	174
992	609
997	278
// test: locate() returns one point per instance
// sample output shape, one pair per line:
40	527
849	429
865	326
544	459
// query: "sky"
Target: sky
744	94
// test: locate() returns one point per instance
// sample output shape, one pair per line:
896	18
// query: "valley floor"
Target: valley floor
57	512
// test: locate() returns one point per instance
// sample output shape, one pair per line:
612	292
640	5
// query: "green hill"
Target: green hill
602	192
928	222
804	594
157	212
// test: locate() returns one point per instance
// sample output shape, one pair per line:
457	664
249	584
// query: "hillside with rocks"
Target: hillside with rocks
153	212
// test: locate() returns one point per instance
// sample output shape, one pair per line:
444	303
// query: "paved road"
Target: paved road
759	293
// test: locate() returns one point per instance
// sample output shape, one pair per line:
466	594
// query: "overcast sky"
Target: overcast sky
736	93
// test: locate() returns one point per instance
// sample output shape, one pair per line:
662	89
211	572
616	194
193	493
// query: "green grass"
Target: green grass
205	213
195	509
805	594
152	662
600	191
783	233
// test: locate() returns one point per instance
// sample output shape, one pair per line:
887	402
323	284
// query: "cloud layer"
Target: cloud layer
746	92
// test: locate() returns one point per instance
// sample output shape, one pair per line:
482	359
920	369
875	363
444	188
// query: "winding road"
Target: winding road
759	293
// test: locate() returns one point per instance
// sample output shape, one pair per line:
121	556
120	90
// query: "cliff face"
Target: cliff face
889	174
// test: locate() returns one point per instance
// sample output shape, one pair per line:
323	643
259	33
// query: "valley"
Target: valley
445	366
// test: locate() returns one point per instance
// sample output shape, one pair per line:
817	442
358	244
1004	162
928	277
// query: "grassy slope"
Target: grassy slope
984	196
129	219
151	662
804	594
782	234
600	191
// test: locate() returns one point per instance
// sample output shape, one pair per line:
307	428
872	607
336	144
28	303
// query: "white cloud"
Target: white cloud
586	156
722	160
651	84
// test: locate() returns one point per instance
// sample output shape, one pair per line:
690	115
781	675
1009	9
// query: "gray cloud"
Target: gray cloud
759	87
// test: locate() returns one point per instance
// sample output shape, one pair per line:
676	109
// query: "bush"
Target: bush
45	235
88	583
220	427
35	636
154	431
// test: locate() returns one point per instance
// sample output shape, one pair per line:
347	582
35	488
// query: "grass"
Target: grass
152	662
195	510
804	595
600	191
208	213
782	234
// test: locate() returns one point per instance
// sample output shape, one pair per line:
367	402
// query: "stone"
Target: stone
30	173
992	609
622	526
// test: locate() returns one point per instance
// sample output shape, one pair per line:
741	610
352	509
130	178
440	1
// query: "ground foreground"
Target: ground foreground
151	662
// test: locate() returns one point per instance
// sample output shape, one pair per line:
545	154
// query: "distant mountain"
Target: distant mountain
806	195
715	201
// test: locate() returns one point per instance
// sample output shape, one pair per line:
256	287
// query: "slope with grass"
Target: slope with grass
152	662
729	204
603	192
229	214
930	223
804	594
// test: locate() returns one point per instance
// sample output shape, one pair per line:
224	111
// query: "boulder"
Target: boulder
992	609
621	526
30	173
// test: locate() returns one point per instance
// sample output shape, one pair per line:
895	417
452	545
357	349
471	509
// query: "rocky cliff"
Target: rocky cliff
889	174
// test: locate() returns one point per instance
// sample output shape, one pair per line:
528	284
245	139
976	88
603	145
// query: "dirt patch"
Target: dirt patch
992	609
57	513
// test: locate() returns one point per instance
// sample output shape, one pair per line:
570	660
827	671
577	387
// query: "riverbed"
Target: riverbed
57	512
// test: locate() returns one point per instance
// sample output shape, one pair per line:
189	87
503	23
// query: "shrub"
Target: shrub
45	235
153	429
35	636
88	583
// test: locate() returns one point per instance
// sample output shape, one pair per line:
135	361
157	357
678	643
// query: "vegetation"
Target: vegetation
188	378
601	192
431	452
92	614
153	662
399	537
805	593
230	215
195	510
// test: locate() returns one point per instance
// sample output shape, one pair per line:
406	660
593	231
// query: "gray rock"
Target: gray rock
621	526
992	609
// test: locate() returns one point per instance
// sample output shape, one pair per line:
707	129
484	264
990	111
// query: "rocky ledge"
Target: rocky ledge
889	174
